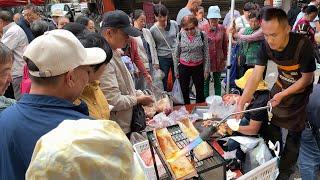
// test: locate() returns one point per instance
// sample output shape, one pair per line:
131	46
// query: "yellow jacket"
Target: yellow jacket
96	101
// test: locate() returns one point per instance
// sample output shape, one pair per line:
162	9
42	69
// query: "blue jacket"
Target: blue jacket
24	24
22	124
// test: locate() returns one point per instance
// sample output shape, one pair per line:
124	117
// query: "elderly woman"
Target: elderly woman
145	45
218	48
191	58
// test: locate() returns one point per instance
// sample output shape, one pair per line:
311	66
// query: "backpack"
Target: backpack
201	33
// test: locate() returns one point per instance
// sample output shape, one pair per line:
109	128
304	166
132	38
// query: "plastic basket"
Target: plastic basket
266	171
148	170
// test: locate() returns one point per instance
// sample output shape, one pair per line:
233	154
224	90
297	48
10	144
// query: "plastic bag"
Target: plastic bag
176	93
220	109
214	100
127	61
160	121
257	156
136	138
158	75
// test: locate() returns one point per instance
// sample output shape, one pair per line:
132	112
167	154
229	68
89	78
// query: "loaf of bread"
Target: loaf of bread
203	150
180	168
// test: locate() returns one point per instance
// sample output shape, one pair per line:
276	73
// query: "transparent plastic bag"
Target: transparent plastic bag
136	138
220	109
176	93
158	75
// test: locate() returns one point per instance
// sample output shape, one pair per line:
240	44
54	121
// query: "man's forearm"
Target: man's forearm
249	89
299	86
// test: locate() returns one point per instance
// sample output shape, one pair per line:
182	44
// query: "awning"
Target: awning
9	3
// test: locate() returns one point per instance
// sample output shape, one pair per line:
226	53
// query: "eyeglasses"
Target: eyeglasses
190	29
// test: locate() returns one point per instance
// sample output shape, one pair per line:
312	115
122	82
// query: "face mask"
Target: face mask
213	28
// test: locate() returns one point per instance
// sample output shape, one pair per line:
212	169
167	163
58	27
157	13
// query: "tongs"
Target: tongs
207	133
269	107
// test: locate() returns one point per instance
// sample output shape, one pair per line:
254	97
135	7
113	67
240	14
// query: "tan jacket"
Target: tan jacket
118	87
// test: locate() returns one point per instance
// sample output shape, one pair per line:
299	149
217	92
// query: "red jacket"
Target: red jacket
135	58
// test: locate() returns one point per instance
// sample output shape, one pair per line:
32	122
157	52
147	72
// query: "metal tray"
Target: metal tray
203	167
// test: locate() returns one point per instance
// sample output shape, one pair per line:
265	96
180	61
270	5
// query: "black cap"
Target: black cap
119	19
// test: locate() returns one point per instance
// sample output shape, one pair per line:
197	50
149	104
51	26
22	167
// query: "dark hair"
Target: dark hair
96	40
255	14
137	13
160	10
33	8
6	16
200	7
39	27
280	15
6	54
248	6
82	20
310	9
304	8
189	19
76	28
41	80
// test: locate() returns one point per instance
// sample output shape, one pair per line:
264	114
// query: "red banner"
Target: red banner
9	3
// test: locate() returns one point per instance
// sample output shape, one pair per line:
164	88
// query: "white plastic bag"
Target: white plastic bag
257	156
158	75
176	93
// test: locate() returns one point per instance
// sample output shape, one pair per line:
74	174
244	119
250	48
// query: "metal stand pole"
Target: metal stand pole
230	48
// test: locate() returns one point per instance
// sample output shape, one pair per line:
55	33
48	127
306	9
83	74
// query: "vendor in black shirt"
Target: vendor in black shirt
295	61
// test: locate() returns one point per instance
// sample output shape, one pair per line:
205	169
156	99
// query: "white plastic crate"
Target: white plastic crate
148	170
266	171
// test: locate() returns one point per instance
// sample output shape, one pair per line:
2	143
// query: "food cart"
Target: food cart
207	168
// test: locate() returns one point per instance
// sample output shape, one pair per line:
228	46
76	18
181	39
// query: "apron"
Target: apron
291	112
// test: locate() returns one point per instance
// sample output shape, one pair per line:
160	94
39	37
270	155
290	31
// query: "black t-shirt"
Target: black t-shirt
260	99
306	57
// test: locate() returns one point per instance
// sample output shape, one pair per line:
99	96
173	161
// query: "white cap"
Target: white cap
214	12
59	51
84	149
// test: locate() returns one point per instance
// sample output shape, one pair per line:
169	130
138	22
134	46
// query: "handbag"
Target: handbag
138	122
172	52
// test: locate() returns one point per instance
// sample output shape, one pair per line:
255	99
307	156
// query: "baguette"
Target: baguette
182	167
203	150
